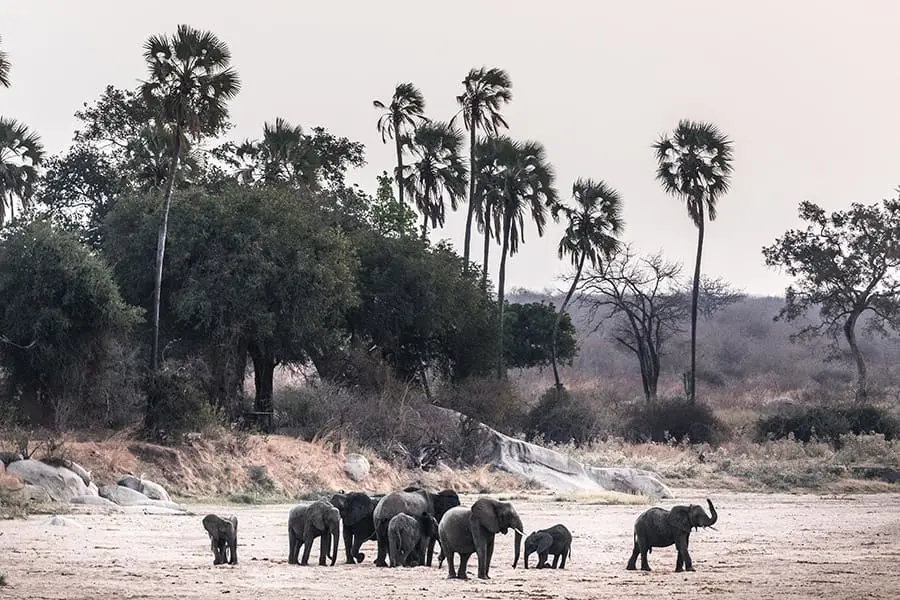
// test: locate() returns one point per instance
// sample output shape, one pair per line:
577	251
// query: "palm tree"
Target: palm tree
523	180
593	224
282	156
486	202
438	173
190	82
695	166
21	153
486	91
4	68
401	117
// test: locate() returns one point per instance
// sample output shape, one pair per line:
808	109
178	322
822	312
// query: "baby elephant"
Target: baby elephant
222	538
408	538
555	540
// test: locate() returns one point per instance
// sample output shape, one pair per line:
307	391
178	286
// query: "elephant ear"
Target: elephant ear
484	513
317	518
339	501
544	541
680	518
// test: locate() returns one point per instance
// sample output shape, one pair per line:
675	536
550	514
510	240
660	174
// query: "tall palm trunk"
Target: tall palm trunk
562	310
161	247
471	209
695	298
487	252
501	282
399	173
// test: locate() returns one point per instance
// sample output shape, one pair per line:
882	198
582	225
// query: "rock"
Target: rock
93	501
124	496
61	483
356	466
556	470
34	493
58	521
131	482
10	457
80	471
92	489
154	490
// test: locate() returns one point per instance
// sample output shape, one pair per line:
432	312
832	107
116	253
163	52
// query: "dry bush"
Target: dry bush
496	403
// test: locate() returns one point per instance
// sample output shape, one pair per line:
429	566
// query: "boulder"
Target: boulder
92	489
80	471
10	457
558	471
154	490
58	521
356	466
94	501
61	483
130	481
124	496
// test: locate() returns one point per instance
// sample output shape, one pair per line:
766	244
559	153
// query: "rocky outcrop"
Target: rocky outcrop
124	496
555	470
145	486
61	484
357	467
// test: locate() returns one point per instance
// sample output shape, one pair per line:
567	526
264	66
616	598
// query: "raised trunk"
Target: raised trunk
399	145
562	310
713	515
501	282
161	248
487	252
850	334
695	297
471	209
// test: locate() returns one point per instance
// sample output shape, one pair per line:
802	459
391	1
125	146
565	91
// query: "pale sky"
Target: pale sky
807	90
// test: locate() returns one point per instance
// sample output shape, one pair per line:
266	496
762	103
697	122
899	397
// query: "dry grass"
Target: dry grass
602	498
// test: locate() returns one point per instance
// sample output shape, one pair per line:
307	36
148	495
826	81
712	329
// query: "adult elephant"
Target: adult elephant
306	523
467	530
414	502
658	528
356	510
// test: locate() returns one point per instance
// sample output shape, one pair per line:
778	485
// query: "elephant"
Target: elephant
658	528
414	503
556	540
222	538
468	530
306	523
409	537
356	510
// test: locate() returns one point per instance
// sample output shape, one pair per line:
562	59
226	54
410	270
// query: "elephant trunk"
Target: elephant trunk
335	546
713	515
517	527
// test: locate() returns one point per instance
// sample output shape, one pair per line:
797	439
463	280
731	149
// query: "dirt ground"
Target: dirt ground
766	546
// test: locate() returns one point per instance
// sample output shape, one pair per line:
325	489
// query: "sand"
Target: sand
766	546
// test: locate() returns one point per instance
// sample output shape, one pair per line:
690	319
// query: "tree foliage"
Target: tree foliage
846	264
21	154
528	332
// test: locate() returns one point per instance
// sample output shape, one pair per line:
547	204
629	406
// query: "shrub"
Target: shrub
494	402
827	423
674	420
562	417
176	401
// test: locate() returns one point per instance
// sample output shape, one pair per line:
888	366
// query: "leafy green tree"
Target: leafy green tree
438	174
190	82
388	216
594	222
530	330
526	179
60	312
4	68
847	264
21	153
695	165
485	93
402	116
252	270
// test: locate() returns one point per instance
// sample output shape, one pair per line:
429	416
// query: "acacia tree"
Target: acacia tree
402	116
438	173
21	153
485	92
846	263
695	166
190	82
590	236
643	296
524	182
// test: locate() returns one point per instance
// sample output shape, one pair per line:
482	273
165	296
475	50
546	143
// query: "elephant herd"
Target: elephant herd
407	524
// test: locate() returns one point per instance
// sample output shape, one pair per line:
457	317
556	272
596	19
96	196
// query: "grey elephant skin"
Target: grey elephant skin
658	528
556	540
409	537
306	523
465	531
358	525
222	538
414	502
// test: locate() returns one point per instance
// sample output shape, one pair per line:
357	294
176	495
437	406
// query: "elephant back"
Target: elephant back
413	504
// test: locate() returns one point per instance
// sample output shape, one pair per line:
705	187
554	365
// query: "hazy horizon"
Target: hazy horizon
804	89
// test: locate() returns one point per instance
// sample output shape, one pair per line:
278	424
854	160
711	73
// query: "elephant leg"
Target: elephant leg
430	551
323	549
563	557
349	546
685	556
293	547
489	554
542	560
357	544
452	571
307	548
382	546
555	561
464	565
632	562
232	547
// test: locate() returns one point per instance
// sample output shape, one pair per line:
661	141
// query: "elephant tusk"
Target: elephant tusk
712	527
517	531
